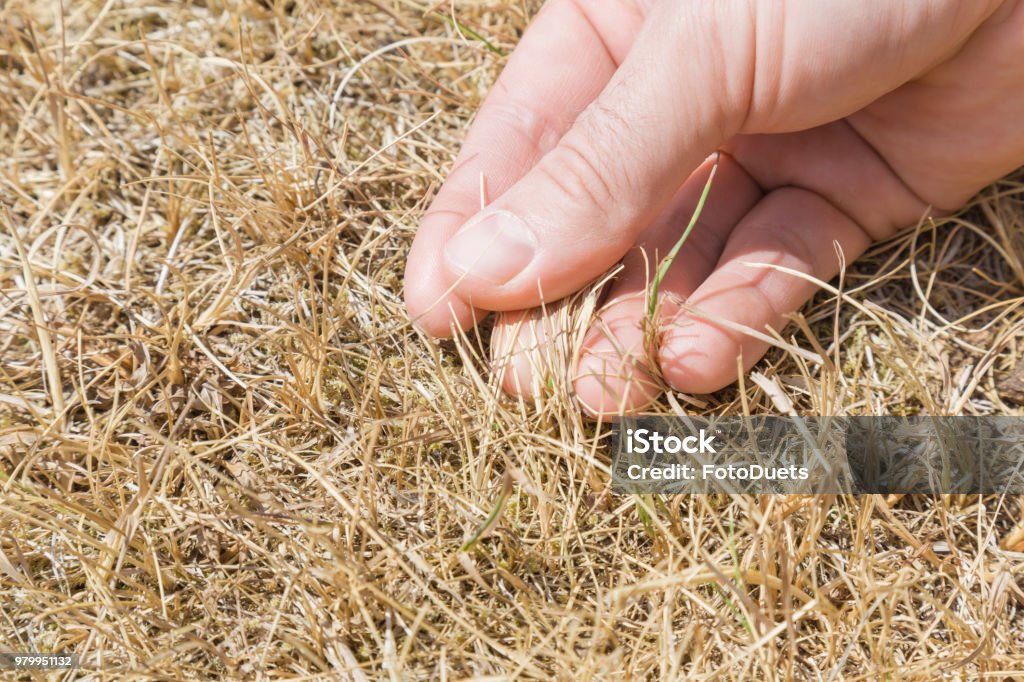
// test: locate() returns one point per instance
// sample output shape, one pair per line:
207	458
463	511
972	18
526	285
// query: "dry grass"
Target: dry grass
225	453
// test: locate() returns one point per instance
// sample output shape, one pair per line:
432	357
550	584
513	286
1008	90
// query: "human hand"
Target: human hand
840	123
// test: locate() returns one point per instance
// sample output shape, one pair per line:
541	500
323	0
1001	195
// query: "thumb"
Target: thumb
580	208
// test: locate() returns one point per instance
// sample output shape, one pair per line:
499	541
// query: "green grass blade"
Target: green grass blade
470	32
666	262
492	518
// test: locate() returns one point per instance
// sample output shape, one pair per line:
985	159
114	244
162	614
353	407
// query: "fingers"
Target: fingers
528	348
791	228
614	374
561	64
696	352
680	92
836	163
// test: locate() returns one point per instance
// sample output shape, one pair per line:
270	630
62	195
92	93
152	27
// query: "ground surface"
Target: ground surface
225	453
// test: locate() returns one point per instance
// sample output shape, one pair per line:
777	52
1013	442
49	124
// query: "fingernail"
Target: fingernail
494	246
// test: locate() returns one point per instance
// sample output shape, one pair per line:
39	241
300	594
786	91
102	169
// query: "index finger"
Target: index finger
562	63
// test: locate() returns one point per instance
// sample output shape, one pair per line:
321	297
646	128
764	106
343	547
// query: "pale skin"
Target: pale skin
839	123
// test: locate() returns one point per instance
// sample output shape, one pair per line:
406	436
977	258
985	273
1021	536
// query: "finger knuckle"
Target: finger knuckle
581	176
525	124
